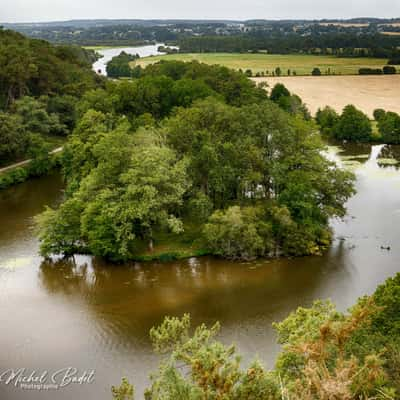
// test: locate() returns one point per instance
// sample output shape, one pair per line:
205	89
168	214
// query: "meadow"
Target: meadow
296	63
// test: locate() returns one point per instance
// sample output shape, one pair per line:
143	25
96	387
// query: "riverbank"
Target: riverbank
21	171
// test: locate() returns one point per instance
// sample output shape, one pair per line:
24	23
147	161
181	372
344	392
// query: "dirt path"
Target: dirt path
365	92
25	162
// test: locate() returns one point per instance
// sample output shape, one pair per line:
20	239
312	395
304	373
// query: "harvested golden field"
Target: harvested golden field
391	33
395	24
345	24
365	92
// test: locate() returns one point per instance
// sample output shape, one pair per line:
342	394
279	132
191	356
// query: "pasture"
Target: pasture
267	63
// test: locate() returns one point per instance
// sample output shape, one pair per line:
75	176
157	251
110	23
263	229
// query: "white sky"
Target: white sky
51	10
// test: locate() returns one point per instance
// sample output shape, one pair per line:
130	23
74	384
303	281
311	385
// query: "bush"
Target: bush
370	71
389	70
316	72
379	113
17	175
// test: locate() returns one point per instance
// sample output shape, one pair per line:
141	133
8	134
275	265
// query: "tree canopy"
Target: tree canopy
175	146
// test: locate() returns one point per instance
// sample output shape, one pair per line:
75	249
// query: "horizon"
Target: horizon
46	11
54	21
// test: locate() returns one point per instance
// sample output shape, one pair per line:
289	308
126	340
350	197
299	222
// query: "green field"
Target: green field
301	64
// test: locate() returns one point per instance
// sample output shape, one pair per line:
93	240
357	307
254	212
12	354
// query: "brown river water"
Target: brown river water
94	316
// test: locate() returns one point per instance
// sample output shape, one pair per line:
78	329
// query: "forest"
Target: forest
39	87
196	154
342	44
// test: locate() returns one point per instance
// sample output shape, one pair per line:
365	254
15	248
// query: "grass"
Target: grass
301	64
169	247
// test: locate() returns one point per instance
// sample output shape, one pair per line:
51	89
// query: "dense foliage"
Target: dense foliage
326	354
388	126
191	142
352	125
343	44
39	87
119	66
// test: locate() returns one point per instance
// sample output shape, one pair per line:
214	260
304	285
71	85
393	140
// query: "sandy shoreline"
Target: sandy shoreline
365	92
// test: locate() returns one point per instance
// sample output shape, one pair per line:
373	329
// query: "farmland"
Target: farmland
267	63
365	92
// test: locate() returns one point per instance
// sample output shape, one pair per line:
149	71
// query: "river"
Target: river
91	315
109	53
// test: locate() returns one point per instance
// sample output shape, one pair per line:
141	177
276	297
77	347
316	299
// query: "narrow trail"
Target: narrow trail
25	162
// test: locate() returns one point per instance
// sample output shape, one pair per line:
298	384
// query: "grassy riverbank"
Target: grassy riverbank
300	64
169	246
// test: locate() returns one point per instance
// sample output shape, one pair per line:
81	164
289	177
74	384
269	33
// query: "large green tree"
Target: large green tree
353	125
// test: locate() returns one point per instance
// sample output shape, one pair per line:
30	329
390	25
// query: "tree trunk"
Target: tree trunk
151	247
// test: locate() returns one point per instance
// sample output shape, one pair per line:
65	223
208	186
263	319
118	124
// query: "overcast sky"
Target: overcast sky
51	10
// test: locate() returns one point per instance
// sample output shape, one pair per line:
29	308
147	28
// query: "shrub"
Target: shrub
278	91
316	72
17	175
370	71
379	113
389	70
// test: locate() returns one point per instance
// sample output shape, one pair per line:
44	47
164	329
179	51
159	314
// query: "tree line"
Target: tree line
339	44
354	126
40	85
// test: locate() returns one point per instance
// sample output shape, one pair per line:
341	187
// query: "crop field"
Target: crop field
267	63
366	92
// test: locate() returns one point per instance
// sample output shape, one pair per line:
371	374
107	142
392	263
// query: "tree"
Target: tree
35	118
38	152
213	369
316	72
130	189
255	167
239	233
353	125
389	127
327	119
119	66
278	91
379	114
13	137
325	354
389	70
